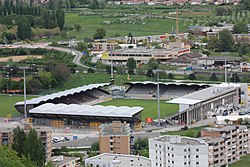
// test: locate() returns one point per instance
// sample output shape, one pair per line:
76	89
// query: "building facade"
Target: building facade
118	160
177	151
115	138
226	143
45	134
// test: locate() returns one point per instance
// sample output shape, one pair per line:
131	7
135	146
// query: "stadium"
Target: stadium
81	106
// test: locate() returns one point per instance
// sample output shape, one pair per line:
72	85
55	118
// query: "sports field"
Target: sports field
150	107
7	103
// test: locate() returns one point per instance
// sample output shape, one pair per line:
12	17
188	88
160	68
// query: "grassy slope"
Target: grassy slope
90	23
150	107
244	162
7	104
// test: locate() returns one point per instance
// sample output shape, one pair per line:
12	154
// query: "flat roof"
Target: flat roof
180	140
86	110
144	51
221	58
62	160
107	129
62	93
205	94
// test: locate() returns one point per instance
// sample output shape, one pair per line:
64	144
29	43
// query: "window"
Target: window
197	149
168	148
156	151
185	156
172	162
185	163
197	156
197	163
185	150
155	145
172	155
168	154
160	146
172	149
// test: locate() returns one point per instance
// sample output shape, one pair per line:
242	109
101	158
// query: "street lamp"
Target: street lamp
24	92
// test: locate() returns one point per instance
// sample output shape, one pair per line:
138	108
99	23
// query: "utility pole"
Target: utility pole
225	53
24	93
158	100
112	72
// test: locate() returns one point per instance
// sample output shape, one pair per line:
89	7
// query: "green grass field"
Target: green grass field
7	104
243	162
194	132
150	107
89	24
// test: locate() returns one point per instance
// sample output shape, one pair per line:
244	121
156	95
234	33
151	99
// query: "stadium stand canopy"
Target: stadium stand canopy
87	113
167	83
64	96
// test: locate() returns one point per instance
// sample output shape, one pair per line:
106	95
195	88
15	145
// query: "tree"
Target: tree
170	76
150	73
46	79
213	43
213	77
95	146
78	27
240	27
19	137
131	63
99	34
192	76
235	78
23	29
61	72
227	121
60	19
9	158
34	148
225	41
153	64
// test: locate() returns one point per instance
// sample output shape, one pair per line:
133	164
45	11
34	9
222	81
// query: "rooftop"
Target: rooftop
86	110
62	160
179	140
144	51
62	93
205	94
109	129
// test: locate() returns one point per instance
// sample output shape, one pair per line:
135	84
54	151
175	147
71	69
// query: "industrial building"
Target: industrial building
142	55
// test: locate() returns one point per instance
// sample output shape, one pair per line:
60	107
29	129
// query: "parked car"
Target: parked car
242	113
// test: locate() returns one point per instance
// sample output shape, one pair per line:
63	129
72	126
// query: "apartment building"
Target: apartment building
104	46
115	138
45	134
63	161
118	160
177	151
6	137
226	143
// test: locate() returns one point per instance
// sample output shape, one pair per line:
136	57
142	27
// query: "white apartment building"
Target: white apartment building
118	160
177	151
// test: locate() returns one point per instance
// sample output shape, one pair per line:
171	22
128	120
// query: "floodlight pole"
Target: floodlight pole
112	71
225	67
158	100
24	93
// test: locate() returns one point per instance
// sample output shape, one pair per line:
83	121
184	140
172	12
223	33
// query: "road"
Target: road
77	54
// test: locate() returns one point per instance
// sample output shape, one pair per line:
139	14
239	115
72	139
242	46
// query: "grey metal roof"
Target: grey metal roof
205	94
62	93
86	110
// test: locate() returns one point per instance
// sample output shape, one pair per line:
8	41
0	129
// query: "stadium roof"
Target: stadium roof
86	110
205	94
168	83
62	93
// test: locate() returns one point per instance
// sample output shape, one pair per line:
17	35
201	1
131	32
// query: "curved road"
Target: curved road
77	54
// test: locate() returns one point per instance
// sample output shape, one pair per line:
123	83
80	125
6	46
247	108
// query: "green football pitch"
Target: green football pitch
150	107
7	103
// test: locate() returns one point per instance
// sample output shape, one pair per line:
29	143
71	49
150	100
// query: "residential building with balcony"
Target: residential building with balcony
226	143
115	138
177	151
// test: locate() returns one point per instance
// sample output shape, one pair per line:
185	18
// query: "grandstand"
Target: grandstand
82	114
80	95
168	90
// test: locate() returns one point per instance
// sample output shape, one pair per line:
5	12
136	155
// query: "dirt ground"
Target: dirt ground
19	58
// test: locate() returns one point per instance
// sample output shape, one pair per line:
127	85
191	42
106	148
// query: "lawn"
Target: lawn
150	107
243	162
89	24
7	104
192	132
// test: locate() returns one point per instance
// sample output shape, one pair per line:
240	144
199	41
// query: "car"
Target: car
66	138
242	113
55	140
